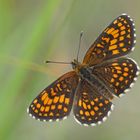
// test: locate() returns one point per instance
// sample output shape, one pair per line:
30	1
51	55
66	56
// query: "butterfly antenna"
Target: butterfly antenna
81	34
58	62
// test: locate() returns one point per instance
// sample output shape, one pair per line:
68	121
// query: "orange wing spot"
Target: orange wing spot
124	49
121	78
113	41
100	104
92	103
112	47
125	74
89	119
40	114
125	21
98	51
65	109
84	105
123	28
50	102
80	103
38	105
121	19
58	85
44	96
84	93
35	101
88	106
87	113
81	112
118	68
96	108
67	100
92	113
110	30
57	114
96	99
100	113
115	64
61	99
119	72
119	24
52	107
121	38
36	111
100	46
112	80
55	100
115	32
68	90
121	44
46	101
116	91
130	65
47	108
42	108
45	114
117	84
83	118
115	22
59	106
128	36
115	75
115	35
51	114
126	81
124	64
105	39
106	101
115	51
33	108
52	92
101	97
123	32
126	69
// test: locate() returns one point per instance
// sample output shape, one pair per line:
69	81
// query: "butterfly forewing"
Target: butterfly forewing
55	101
116	40
119	75
90	106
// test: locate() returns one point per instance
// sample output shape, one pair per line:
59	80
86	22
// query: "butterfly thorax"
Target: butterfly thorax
84	72
77	66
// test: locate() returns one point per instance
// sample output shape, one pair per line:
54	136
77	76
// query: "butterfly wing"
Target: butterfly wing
90	107
119	75
118	39
55	101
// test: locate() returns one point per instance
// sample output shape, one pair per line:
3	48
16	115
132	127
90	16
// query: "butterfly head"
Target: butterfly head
77	65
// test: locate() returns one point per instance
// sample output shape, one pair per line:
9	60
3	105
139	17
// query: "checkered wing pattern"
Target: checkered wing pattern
118	39
119	75
55	101
90	106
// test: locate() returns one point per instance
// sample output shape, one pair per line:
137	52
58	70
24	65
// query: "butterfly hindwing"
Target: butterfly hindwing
118	39
90	106
55	101
119	75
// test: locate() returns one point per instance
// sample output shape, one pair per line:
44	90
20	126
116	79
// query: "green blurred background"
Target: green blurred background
32	31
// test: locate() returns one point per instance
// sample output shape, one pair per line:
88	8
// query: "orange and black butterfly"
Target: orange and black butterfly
105	72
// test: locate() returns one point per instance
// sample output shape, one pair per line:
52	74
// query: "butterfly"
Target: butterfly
106	72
